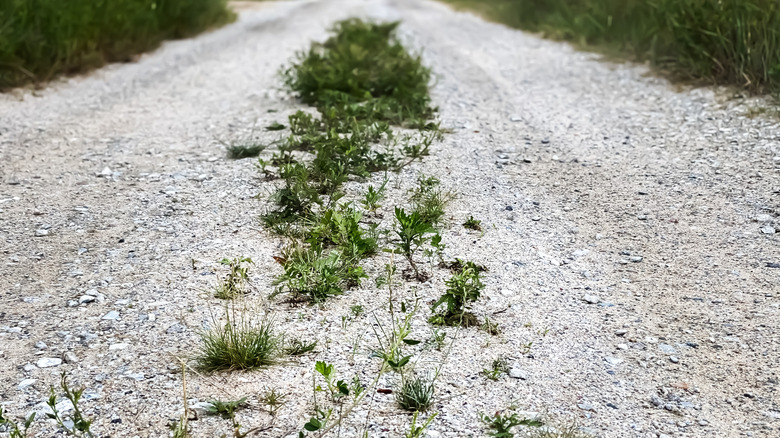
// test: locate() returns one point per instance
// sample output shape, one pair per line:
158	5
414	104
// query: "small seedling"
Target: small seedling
225	409
356	310
12	428
473	224
415	393
438	338
490	327
374	196
429	200
416	431
498	367
77	425
238	151
275	126
501	425
237	279
273	400
296	347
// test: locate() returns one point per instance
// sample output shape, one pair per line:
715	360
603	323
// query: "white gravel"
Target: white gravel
627	236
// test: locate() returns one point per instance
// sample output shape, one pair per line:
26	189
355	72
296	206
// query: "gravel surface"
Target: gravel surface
630	230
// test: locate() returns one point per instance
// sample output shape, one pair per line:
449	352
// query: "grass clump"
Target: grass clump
724	42
415	393
463	288
497	368
473	224
238	151
238	343
296	347
313	276
429	200
44	38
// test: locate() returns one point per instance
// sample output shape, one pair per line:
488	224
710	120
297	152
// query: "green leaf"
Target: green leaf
411	341
313	425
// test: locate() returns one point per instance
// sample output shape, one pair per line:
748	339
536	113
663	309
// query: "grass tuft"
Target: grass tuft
415	393
238	343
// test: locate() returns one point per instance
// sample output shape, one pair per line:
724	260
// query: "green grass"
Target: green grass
40	39
733	42
239	343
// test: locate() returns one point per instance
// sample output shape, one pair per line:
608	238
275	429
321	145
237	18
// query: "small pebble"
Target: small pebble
590	299
48	362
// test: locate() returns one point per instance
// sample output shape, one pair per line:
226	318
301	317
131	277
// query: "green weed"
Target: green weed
501	425
275	126
498	367
296	347
235	282
462	288
314	276
273	400
473	224
428	200
416	431
412	231
13	428
373	196
77	425
225	409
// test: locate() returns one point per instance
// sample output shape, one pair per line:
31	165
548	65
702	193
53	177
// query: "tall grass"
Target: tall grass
42	38
734	42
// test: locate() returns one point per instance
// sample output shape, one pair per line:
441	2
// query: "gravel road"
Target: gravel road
632	236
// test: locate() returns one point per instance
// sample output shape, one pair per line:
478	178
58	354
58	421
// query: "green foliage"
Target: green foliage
412	231
12	428
43	38
237	151
340	227
373	196
240	343
429	200
728	42
275	126
416	431
273	400
473	224
312	275
364	73
497	368
78	425
235	283
225	409
415	393
501	424
296	347
462	288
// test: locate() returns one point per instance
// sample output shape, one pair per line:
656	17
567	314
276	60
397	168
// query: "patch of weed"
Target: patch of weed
497	368
473	224
273	400
235	282
416	431
429	200
340	227
312	275
501	424
296	347
412	231
77	425
462	288
225	409
275	126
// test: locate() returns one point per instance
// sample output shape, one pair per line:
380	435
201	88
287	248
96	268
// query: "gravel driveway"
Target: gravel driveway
632	235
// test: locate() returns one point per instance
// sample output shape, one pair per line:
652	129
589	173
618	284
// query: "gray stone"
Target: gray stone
621	332
70	357
635	259
590	299
26	383
41	345
768	229
48	362
119	346
763	218
613	360
175	328
85	299
517	373
111	316
41	232
674	359
666	349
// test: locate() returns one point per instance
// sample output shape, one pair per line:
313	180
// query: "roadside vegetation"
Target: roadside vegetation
722	42
45	38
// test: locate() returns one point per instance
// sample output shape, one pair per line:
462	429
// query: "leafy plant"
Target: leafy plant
296	347
225	409
234	284
274	400
416	431
501	424
78	425
498	367
356	310
415	393
237	151
313	276
12	428
239	342
429	200
373	196
473	224
412	231
275	126
341	227
462	289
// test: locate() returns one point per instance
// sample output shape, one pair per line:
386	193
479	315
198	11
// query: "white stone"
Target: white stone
48	362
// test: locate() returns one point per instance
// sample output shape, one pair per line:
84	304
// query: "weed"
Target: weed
438	338
273	400
313	276
498	367
373	196
341	227
12	428
415	393
356	310
234	284
462	288
428	200
490	327
296	198
296	347
473	224
501	424
238	343
416	431
412	231
275	126
77	425
459	265
225	409
237	151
